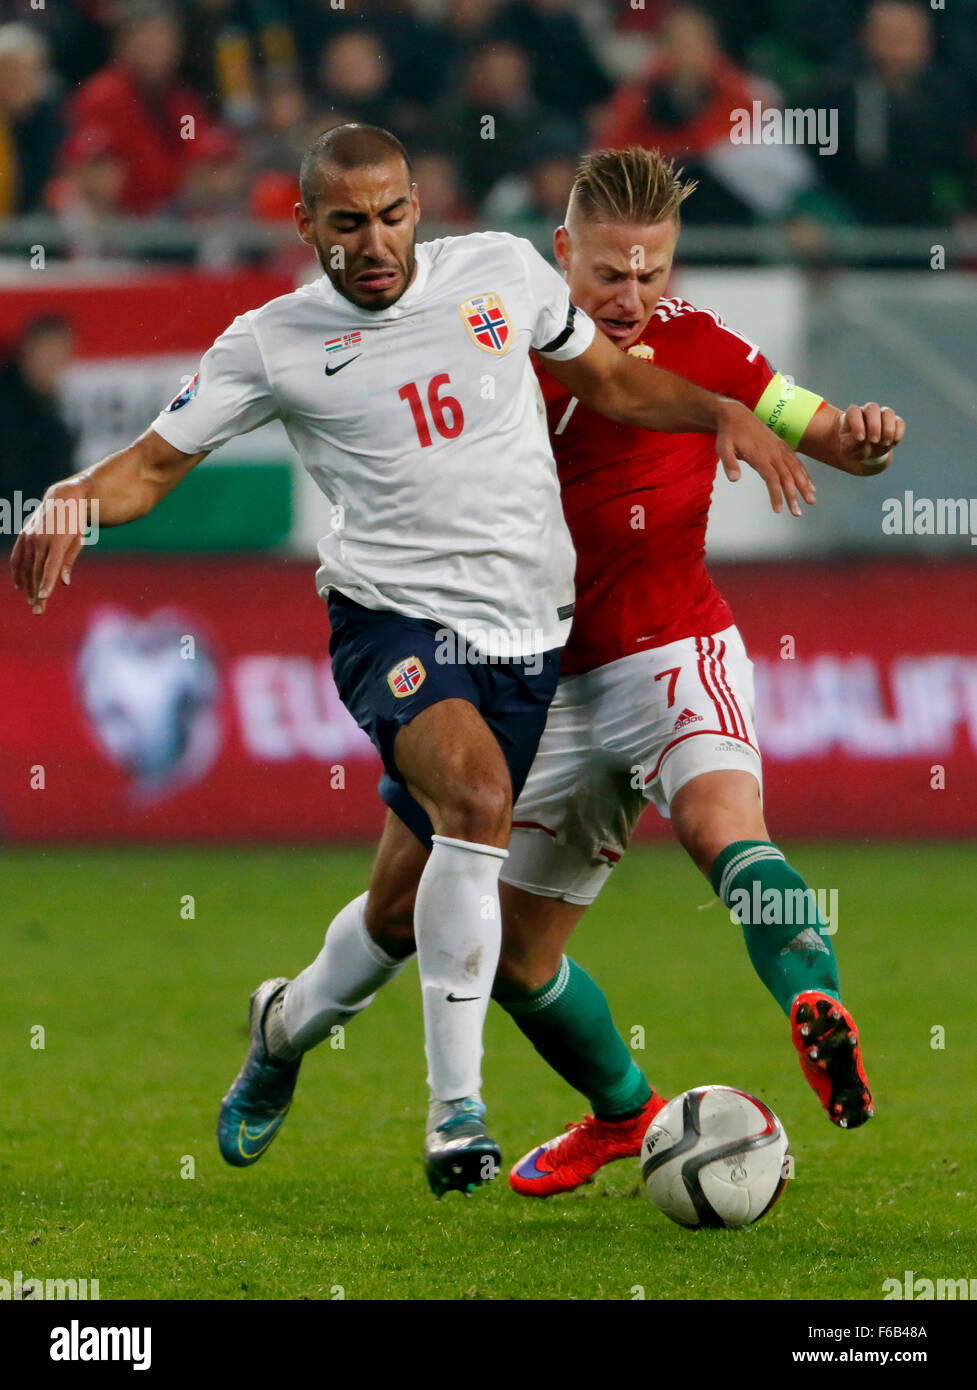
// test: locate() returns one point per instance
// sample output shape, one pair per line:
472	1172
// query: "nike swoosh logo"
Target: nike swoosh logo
462	998
246	1137
529	1167
331	371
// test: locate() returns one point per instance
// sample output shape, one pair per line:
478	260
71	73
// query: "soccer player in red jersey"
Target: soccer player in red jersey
655	701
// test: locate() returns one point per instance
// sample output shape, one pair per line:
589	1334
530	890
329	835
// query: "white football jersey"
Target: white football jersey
420	425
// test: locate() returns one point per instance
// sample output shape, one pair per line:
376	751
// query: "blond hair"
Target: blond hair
635	186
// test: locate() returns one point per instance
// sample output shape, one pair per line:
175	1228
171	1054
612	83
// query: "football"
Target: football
715	1156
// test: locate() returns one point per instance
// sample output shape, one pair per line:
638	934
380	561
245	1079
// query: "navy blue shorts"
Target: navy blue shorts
386	670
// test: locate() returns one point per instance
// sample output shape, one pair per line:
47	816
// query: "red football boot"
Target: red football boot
826	1039
573	1158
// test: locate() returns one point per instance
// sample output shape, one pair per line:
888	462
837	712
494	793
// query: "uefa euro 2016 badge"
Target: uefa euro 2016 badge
406	676
187	394
487	322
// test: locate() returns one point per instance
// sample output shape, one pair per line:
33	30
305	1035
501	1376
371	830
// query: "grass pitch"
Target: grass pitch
143	1012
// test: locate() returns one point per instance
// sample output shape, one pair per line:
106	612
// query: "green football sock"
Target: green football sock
569	1023
784	931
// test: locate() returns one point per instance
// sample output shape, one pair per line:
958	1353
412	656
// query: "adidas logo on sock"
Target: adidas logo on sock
686	717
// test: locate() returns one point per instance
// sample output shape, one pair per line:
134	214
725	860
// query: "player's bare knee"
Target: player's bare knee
478	812
703	838
706	834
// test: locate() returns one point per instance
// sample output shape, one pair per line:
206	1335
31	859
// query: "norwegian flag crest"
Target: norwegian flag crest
487	322
406	676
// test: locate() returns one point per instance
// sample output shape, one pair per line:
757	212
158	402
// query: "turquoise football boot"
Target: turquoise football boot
255	1107
458	1153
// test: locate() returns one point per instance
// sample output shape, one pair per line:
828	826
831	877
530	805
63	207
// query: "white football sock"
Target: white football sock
458	928
341	981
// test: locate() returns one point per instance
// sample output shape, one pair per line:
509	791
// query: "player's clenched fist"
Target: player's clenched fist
867	434
48	545
742	436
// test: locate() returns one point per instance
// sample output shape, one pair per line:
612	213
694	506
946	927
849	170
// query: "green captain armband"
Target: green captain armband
787	409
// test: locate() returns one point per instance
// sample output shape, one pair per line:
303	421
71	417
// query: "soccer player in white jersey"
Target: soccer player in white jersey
403	379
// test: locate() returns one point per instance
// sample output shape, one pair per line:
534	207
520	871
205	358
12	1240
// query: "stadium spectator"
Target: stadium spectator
36	444
140	97
30	122
904	155
683	105
280	71
466	31
231	45
420	51
436	176
76	34
414	46
539	195
214	195
354	77
276	145
567	76
215	185
86	196
495	120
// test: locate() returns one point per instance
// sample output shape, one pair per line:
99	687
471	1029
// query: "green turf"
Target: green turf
144	1017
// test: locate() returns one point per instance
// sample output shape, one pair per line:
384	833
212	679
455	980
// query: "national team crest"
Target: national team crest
406	676
487	322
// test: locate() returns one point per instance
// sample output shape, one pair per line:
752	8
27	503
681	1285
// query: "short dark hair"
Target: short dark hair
349	146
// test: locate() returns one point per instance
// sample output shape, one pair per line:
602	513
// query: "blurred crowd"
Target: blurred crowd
200	109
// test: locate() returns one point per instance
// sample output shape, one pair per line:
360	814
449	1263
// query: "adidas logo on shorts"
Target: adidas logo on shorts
729	747
685	718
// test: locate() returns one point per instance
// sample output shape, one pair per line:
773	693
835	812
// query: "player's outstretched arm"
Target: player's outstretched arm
120	488
858	440
634	392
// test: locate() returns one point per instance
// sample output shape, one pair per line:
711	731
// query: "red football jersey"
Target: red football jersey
637	501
